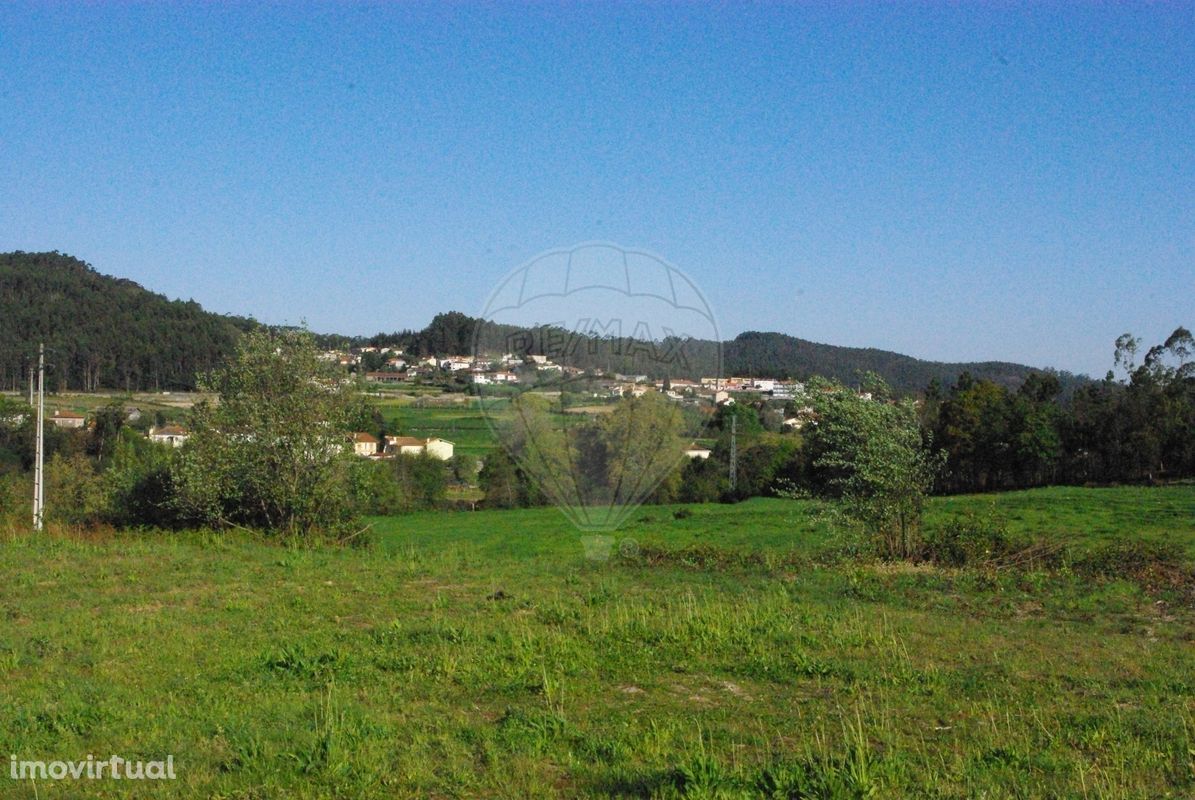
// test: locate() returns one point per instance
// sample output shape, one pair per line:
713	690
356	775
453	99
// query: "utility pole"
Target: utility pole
39	479
734	452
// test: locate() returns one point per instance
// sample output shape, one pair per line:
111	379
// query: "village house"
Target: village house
414	446
172	435
385	377
803	417
632	389
698	451
364	444
68	419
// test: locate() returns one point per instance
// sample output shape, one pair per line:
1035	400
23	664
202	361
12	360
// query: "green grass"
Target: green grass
461	422
457	418
726	653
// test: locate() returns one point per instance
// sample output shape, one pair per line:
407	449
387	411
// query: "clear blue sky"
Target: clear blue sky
954	183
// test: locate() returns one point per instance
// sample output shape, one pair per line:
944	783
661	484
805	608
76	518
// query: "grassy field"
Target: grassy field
460	420
730	651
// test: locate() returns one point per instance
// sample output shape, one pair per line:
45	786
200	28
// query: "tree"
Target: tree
505	485
870	455
105	432
272	452
421	481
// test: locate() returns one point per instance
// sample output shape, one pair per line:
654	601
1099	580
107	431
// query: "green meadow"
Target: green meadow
461	421
718	651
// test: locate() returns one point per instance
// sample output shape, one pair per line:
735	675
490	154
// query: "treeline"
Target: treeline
100	331
1135	428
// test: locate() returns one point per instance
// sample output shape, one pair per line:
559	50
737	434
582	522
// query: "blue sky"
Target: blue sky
955	183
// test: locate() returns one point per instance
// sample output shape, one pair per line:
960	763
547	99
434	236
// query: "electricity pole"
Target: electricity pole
734	452
39	480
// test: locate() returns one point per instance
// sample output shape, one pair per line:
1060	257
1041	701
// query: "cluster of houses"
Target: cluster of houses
364	444
170	434
368	446
482	371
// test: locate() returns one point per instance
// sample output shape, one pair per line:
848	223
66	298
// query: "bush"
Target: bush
421	480
1129	558
374	488
139	485
75	492
966	541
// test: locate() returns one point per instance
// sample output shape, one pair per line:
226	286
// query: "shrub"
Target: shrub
967	540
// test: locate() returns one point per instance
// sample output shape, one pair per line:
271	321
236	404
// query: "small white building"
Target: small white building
364	444
68	419
698	451
439	448
414	446
172	435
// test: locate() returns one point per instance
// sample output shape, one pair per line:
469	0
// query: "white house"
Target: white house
68	419
414	446
173	435
364	444
439	448
697	451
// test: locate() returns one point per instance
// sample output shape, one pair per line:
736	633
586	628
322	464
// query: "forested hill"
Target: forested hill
753	354
111	333
777	354
100	331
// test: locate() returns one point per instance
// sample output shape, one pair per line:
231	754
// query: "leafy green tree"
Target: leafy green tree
75	491
464	468
272	453
109	420
644	445
139	483
870	455
703	480
421	481
500	481
375	489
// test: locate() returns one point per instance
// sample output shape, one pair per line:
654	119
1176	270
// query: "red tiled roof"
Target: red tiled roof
405	441
170	430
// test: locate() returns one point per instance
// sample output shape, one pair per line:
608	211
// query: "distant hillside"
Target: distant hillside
776	354
106	332
100	331
754	354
